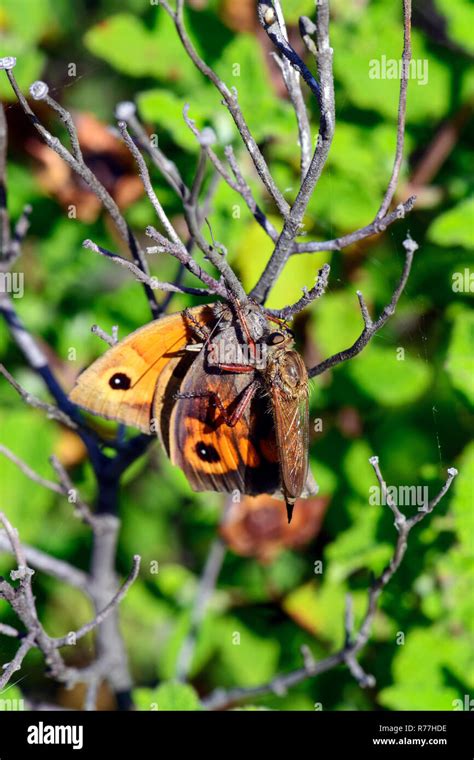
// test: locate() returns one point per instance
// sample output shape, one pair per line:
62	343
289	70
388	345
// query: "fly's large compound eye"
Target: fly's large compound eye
274	339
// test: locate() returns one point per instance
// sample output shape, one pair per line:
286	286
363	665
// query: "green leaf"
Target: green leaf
205	647
24	501
168	696
371	78
422	669
164	108
39	16
246	658
29	66
460	362
454	227
418	697
389	381
130	47
358	546
11	698
337	322
176	582
242	66
357	468
251	255
459	19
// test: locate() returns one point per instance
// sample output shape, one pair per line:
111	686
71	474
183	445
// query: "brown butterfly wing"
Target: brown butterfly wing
291	415
213	455
139	361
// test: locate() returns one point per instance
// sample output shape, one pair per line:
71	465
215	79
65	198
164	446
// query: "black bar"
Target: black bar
305	734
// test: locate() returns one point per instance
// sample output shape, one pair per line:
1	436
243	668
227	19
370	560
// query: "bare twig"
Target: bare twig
145	178
57	568
271	18
291	66
387	499
375	228
51	410
29	472
188	261
292	225
39	91
402	107
126	111
242	187
371	327
353	644
103	614
8	630
10	668
308	297
68	488
23	603
152	282
231	101
111	340
190	207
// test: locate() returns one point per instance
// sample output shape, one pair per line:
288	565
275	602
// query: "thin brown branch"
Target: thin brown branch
353	644
318	289
375	228
56	568
52	411
188	261
69	489
104	613
8	630
291	66
371	327
152	282
111	340
15	664
39	90
402	107
29	472
244	190
126	111
293	220
231	101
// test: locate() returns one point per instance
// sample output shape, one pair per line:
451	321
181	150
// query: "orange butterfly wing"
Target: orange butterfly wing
123	383
213	455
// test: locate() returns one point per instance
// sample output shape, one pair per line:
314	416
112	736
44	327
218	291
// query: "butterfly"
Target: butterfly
224	391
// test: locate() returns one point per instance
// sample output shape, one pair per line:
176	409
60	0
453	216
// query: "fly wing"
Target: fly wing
291	414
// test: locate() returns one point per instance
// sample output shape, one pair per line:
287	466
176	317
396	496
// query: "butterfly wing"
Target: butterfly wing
213	455
122	384
291	415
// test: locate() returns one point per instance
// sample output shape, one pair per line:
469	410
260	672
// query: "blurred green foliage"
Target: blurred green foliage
413	408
